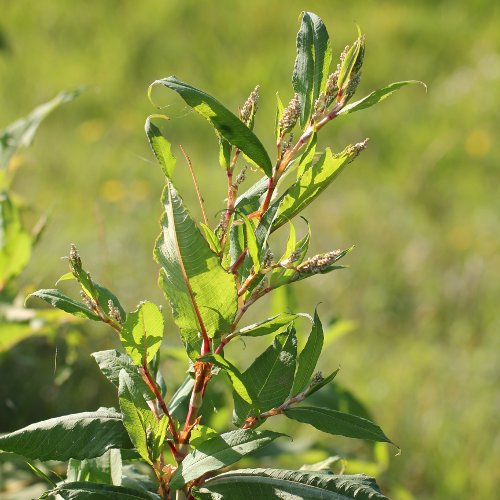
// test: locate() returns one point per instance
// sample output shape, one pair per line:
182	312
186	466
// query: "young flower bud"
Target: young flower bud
74	257
249	109
290	115
319	262
114	311
241	176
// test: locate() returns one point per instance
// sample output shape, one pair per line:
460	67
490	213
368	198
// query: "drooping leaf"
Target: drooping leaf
80	436
162	148
306	362
376	96
278	484
219	452
337	423
313	181
142	333
228	125
61	301
313	59
15	242
21	133
111	362
202	294
270	376
138	419
82	490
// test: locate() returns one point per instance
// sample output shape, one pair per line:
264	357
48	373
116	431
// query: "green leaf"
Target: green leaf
248	202
312	63
106	469
316	385
180	400
22	132
307	157
228	125
275	483
376	96
338	423
202	294
15	243
237	379
81	435
270	376
111	362
279	113
219	452
162	148
142	333
61	301
81	490
309	356
138	418
313	182
212	239
252	244
349	63
270	325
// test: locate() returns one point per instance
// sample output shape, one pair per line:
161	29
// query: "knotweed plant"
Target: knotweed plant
211	276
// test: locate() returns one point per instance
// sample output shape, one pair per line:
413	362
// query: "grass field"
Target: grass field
421	204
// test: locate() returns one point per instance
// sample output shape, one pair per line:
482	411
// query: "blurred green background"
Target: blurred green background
421	204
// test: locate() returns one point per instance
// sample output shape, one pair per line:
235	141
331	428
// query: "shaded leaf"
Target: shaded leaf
81	490
105	469
177	406
228	125
270	376
111	362
306	362
219	452
285	484
80	436
337	423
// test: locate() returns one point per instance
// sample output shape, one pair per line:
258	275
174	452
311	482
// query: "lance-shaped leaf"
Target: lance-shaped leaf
270	325
249	201
306	362
162	148
350	60
270	376
111	362
15	243
244	391
337	423
61	301
376	96
228	125
22	132
82	490
212	240
313	59
202	294
312	183
142	333
219	452
275	483
81	435
178	405
138	418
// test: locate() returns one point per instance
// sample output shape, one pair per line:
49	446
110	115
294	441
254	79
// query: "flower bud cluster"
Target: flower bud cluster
250	107
241	176
74	257
355	149
319	262
290	115
114	312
